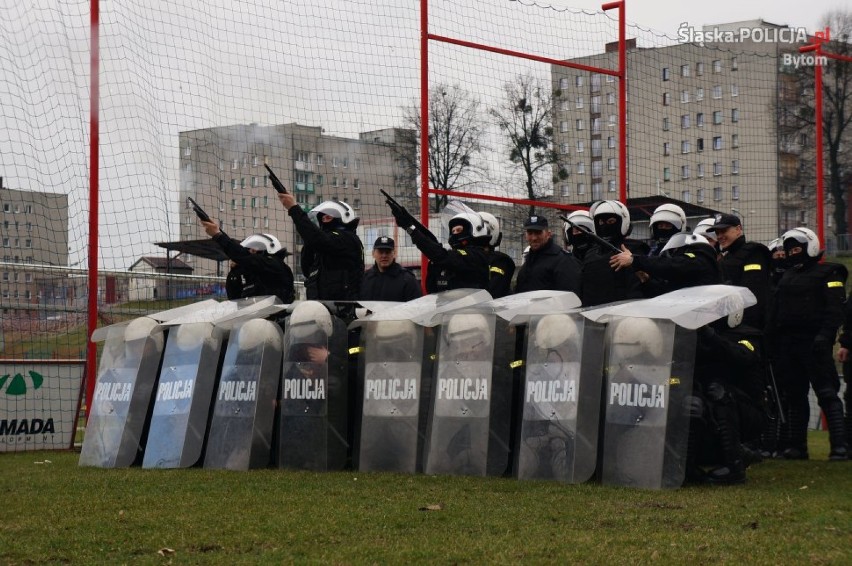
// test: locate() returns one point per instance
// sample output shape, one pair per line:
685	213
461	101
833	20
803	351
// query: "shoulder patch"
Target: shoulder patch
497	270
832	284
752	267
462	252
690	255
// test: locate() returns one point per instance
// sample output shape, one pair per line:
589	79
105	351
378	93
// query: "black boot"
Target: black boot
797	434
726	419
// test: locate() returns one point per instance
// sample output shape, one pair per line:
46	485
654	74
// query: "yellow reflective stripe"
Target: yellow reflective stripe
497	270
462	252
674	381
835	284
688	254
747	344
752	267
516	364
356	350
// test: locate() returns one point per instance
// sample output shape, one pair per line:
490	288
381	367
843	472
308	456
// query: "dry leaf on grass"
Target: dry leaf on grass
433	507
165	551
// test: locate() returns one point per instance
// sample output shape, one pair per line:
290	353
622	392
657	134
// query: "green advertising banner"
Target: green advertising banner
38	403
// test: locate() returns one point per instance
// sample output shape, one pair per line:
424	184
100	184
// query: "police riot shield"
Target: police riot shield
183	398
396	384
649	369
468	430
119	407
560	399
241	427
312	429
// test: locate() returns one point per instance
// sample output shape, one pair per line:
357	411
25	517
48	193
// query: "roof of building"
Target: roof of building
166	263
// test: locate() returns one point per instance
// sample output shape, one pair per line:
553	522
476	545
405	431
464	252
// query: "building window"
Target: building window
717	142
318	180
685	196
335	162
596	190
735	192
595	107
581	167
233	184
356	184
334	181
699	195
565	190
320	159
684	121
684	146
610	98
699	68
580	125
242	182
717	91
699	120
580	146
254	181
579	102
717	66
699	170
717	169
684	171
611	121
356	204
717	117
735	167
564	148
233	204
684	96
596	148
596	125
610	164
578	80
735	90
699	144
684	70
221	185
667	148
581	188
563	126
667	174
665	124
734	64
563	83
735	114
735	140
666	73
667	98
610	185
717	193
610	142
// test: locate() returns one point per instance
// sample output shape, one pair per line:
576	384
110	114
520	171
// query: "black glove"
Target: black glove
403	218
822	344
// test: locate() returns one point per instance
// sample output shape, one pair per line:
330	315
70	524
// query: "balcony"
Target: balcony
304	188
303	166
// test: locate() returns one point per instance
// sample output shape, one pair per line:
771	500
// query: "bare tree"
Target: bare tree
526	121
456	129
837	111
797	116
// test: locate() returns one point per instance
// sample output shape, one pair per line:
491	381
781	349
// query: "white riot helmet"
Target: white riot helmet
614	207
401	334
701	229
776	245
493	228
635	337
805	237
578	218
336	209
671	213
468	332
553	330
140	328
191	335
310	322
254	333
681	240
474	229
262	243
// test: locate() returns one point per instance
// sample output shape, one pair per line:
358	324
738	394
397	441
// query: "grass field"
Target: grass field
54	512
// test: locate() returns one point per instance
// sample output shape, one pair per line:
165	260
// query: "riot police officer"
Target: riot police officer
333	255
465	264
578	241
666	221
547	266
746	264
501	267
258	265
600	283
687	260
808	310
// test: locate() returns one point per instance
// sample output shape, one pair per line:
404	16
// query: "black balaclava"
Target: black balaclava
463	239
609	232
